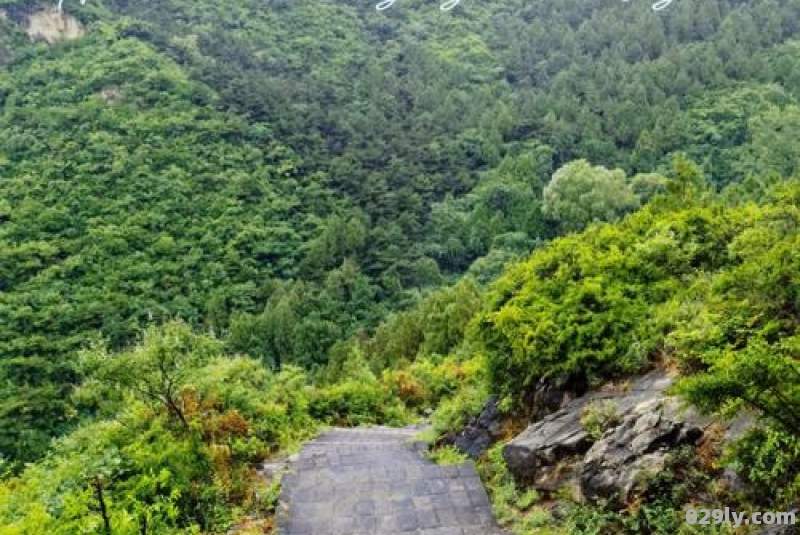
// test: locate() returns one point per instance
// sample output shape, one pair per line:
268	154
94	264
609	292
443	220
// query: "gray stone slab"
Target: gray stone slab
374	481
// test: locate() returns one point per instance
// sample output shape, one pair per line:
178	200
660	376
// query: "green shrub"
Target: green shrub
452	413
512	504
645	519
599	416
352	403
447	455
769	461
585	305
429	380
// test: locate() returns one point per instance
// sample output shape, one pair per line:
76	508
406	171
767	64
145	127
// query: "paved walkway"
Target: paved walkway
374	481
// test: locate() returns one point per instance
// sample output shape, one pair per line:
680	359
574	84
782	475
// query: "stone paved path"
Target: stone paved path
374	481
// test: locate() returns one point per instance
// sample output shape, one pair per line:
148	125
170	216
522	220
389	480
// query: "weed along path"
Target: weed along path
375	481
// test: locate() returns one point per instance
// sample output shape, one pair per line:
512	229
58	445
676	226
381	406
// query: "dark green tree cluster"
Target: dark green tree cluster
401	109
127	198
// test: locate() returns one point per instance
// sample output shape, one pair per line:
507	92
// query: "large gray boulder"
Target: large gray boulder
558	449
619	463
538	455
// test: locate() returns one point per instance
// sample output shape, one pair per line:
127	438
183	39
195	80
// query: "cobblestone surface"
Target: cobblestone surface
374	481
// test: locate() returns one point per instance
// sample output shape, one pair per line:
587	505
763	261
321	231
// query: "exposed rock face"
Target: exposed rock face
542	454
557	449
479	433
539	453
613	467
552	394
52	26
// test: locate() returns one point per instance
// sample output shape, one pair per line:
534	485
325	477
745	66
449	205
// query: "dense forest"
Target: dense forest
225	225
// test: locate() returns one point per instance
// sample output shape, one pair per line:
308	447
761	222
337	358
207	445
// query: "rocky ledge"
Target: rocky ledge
643	425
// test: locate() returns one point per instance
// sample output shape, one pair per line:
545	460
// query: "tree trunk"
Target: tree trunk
97	483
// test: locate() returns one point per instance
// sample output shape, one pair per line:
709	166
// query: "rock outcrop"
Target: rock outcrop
615	466
551	394
479	433
538	455
558	449
51	26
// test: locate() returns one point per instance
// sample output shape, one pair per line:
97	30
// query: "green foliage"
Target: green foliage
446	455
660	513
34	406
731	133
179	430
599	416
354	402
425	382
703	280
177	456
580	194
302	321
512	505
453	411
355	397
434	99
289	173
501	216
656	519
714	286
107	216
272	495
579	306
769	460
435	326
743	330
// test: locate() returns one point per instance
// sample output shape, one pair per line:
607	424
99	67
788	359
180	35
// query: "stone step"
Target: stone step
376	482
352	440
366	442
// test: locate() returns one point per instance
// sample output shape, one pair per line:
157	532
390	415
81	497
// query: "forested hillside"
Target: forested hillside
303	203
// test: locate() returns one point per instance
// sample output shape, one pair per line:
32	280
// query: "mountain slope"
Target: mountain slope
285	174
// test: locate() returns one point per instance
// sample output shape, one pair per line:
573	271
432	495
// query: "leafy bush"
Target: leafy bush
435	326
645	519
446	455
186	425
710	286
742	332
598	416
511	503
769	461
429	380
585	304
715	284
580	194
354	402
453	412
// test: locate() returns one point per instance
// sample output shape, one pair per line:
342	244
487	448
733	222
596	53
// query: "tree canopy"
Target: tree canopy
223	224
